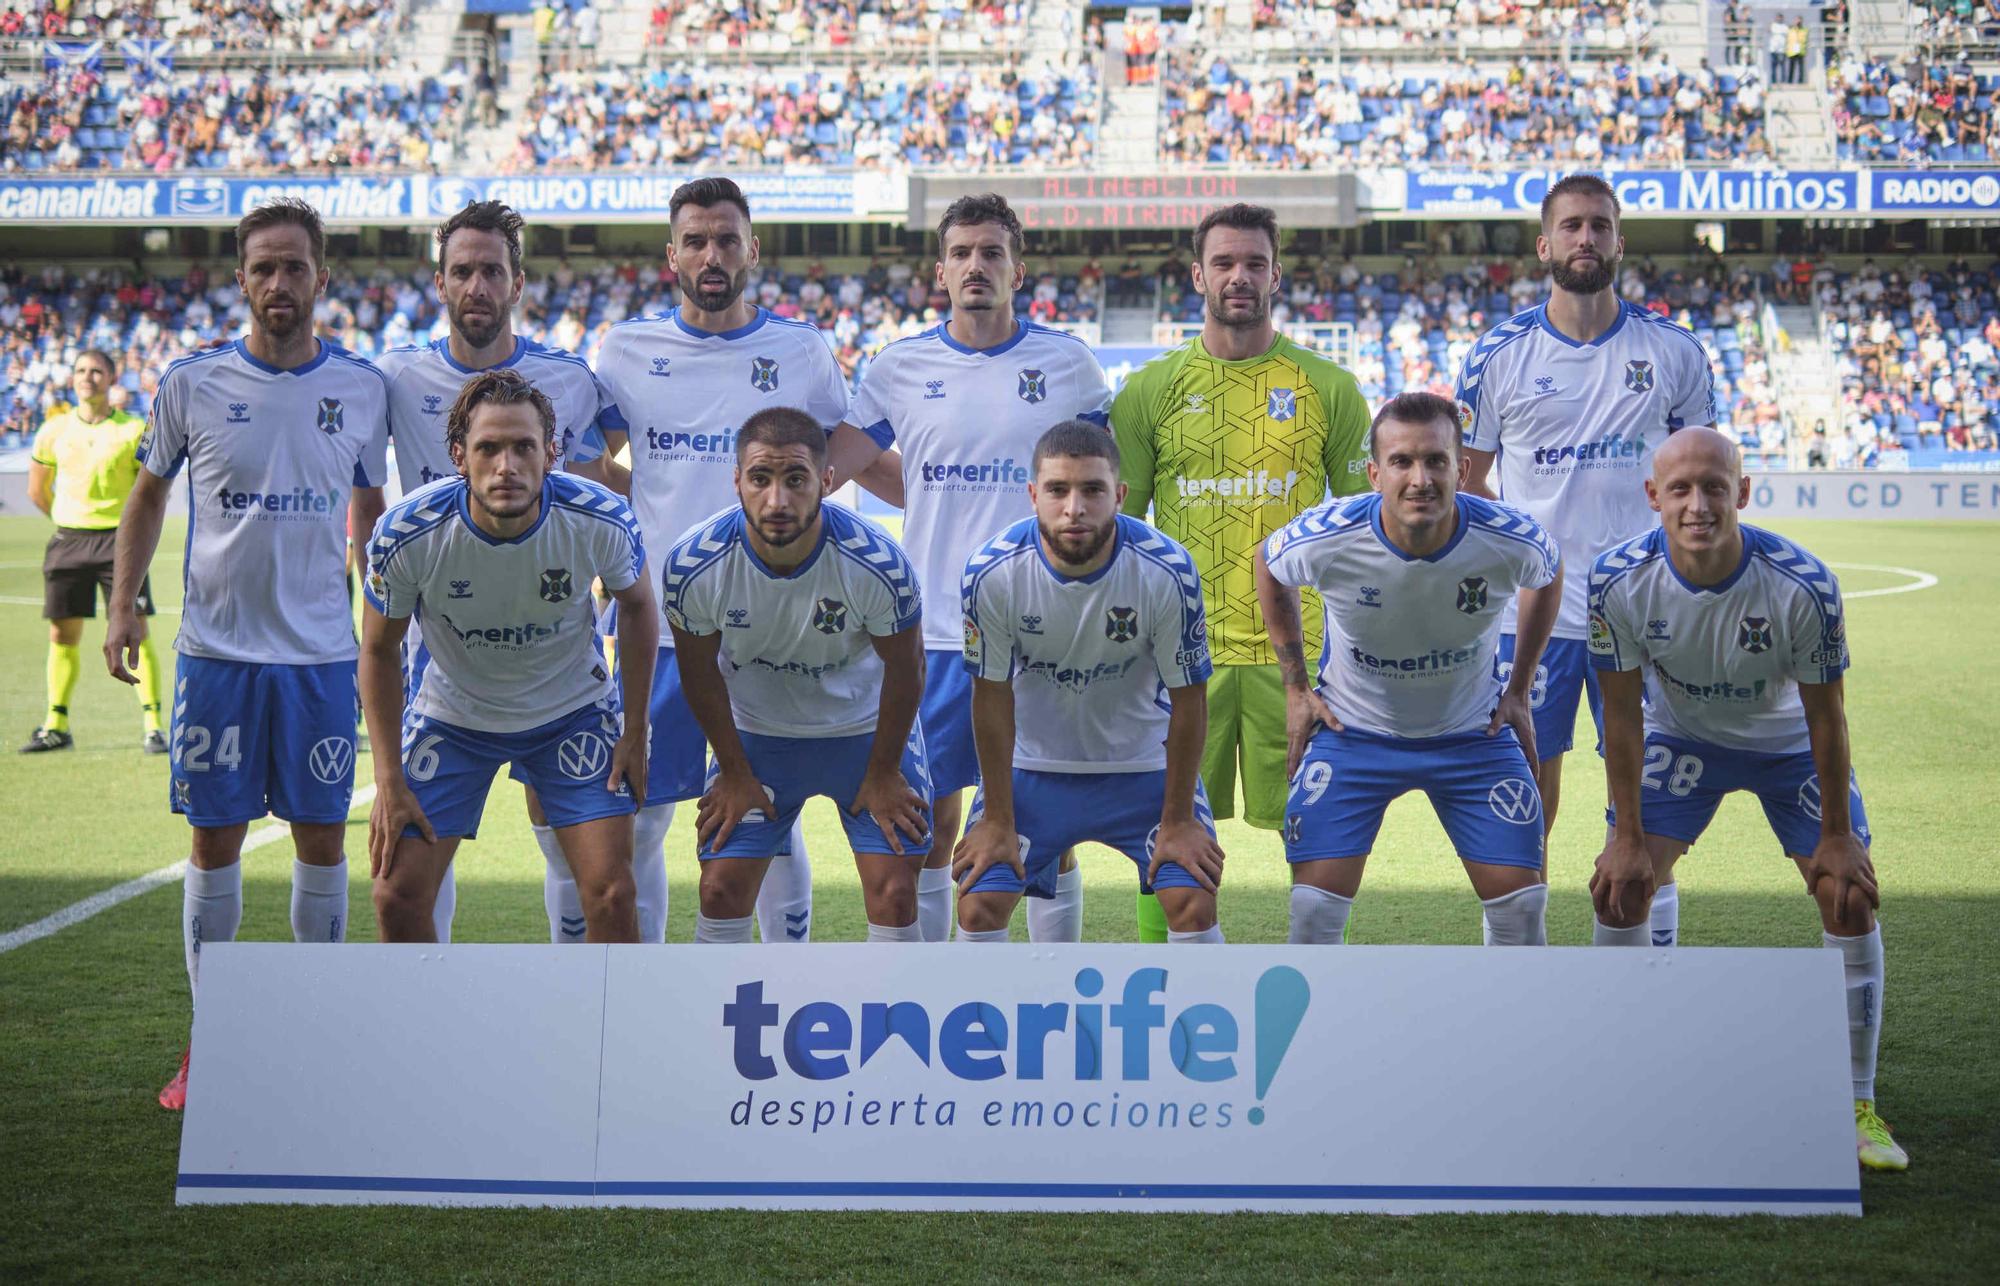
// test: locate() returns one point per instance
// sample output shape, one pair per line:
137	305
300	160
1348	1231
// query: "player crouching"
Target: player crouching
1415	580
1085	634
498	563
1738	642
813	614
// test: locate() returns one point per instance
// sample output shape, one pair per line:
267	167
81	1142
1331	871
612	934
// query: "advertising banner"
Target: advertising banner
1874	494
1705	192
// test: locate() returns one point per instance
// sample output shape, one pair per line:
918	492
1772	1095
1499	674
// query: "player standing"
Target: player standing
499	561
1229	437
1414	579
81	468
811	612
965	404
686	381
479	280
279	431
1571	397
1738	642
1085	635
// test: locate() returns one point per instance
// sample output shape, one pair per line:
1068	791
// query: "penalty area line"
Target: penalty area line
77	912
1918	580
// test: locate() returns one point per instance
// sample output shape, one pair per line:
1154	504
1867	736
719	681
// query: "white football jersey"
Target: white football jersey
271	458
424	380
1723	662
797	649
1575	426
685	393
966	421
1410	641
510	624
1090	659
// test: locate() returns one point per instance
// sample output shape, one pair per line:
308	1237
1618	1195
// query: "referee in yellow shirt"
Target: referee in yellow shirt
81	470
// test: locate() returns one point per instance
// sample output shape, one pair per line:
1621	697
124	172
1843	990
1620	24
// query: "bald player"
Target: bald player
1737	639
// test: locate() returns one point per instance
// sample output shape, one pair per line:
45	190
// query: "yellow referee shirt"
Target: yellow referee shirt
95	464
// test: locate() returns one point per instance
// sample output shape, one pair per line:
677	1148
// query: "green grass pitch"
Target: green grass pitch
92	1019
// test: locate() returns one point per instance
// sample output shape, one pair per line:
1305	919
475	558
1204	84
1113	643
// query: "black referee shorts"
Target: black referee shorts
75	566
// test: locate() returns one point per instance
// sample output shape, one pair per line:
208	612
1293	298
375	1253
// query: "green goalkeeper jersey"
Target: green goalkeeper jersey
1228	452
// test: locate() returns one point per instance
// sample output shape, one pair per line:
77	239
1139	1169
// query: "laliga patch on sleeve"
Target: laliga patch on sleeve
1600	634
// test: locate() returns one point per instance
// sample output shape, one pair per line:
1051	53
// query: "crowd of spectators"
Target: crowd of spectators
1530	110
716	25
200	26
1916	115
315	120
1603	23
870	119
1917	352
1956	24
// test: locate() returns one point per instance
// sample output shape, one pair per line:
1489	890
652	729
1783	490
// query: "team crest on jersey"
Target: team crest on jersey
1753	634
1121	624
555	585
1472	595
1639	376
239	413
433	403
1034	386
829	616
331	417
1282	404
1295	829
660	365
764	374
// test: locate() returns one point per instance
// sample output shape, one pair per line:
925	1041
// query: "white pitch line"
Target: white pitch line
1918	580
78	912
20	600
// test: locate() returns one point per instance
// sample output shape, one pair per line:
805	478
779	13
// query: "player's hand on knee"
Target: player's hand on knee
1514	712
1844	860
1621	888
395	810
1305	715
888	799
1189	846
728	801
122	636
983	847
628	765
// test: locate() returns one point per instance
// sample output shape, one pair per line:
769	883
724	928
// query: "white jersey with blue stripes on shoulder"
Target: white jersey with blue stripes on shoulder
271	457
424	380
1410	640
510	624
1575	426
1723	662
686	392
1090	657
966	421
797	647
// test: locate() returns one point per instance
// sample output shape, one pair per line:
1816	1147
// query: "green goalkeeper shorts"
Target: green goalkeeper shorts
1246	725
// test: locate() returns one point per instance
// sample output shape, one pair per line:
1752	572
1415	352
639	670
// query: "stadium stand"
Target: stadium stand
788	25
1921	115
200	26
1392	24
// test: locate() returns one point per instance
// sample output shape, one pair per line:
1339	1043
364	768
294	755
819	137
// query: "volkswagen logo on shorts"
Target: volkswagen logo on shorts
583	757
1514	800
331	760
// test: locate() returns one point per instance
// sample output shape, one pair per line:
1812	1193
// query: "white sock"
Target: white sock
934	902
559	896
785	901
1666	918
649	869
1213	933
319	902
894	932
1319	916
982	935
1862	961
446	905
738	930
1603	935
1517	919
1060	918
211	909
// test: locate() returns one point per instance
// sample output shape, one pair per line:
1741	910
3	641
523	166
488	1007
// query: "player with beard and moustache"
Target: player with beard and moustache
278	431
1085	634
479	280
687	380
515	675
796	627
956	413
1229	437
1571	398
